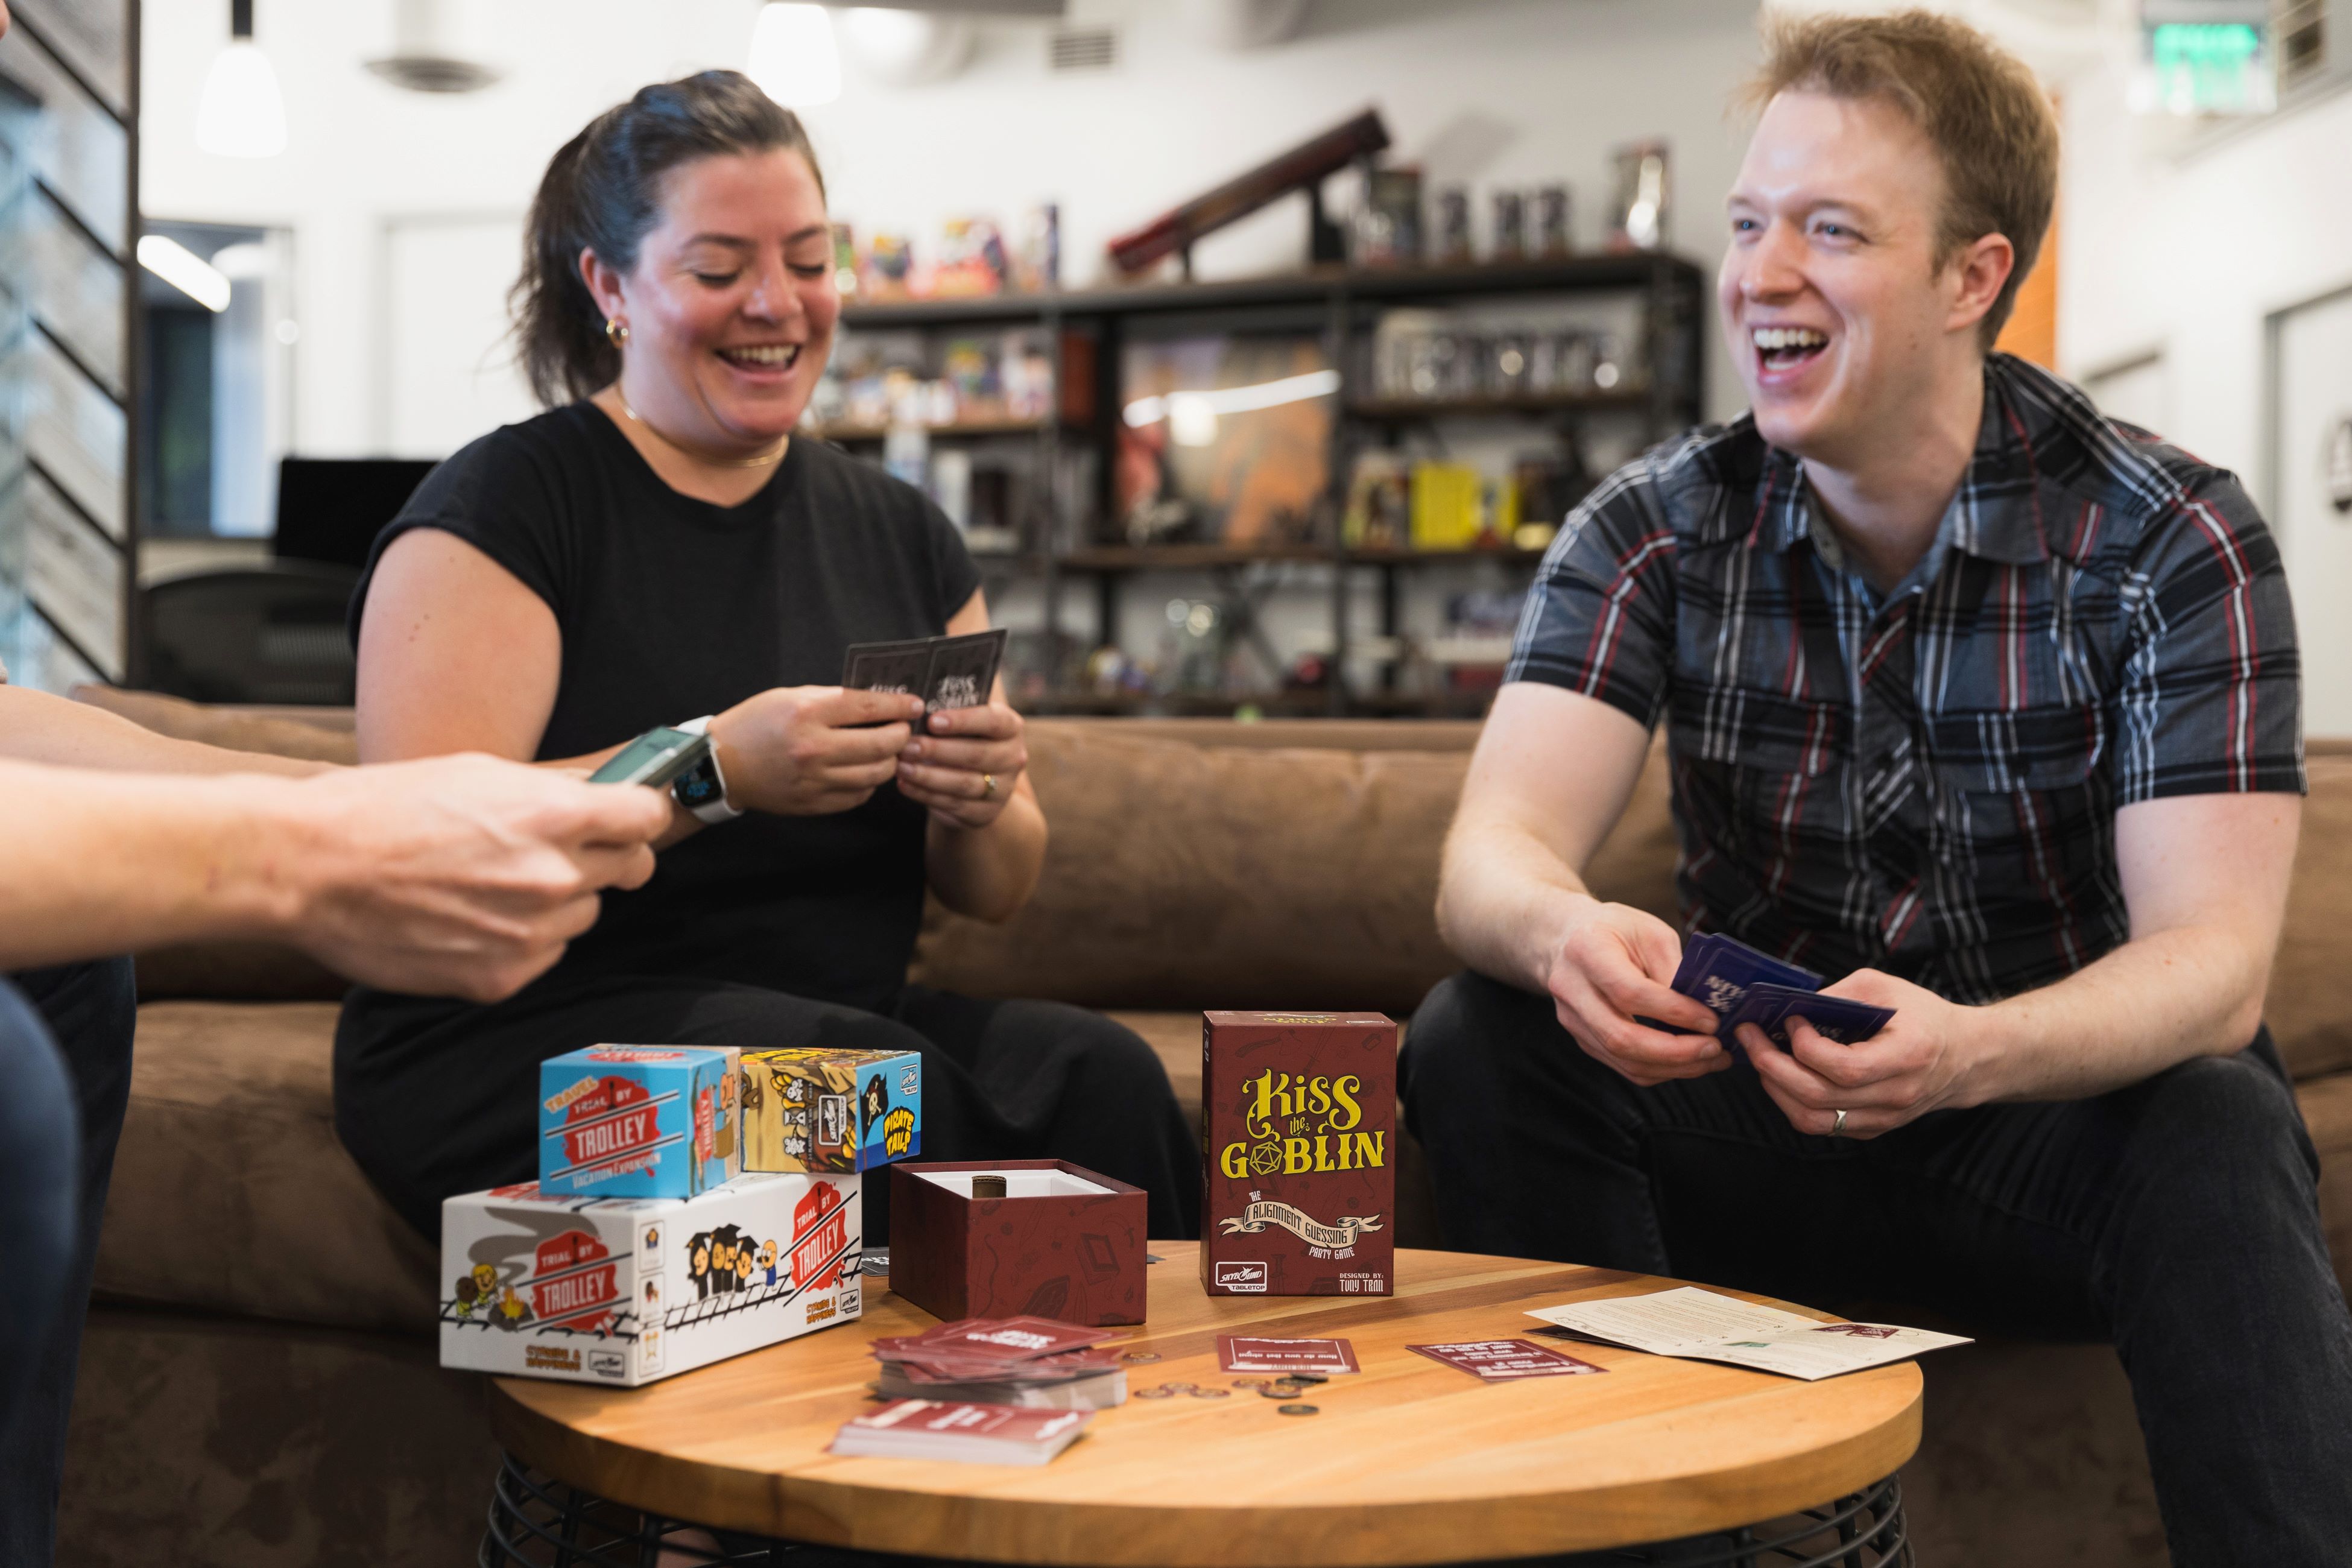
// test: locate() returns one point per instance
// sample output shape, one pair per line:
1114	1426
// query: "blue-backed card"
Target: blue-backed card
1836	1019
1719	970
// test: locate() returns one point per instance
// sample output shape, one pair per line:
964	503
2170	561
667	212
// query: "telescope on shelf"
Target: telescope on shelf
1303	168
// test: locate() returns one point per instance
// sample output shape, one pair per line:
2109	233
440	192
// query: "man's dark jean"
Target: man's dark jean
2176	1219
65	1081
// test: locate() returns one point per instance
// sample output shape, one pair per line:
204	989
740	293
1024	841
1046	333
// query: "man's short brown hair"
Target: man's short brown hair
1978	105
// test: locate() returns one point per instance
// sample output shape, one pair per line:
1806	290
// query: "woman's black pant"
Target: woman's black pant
440	1102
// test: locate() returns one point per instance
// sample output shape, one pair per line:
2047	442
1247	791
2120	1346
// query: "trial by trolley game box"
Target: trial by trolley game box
1298	1142
626	1291
638	1121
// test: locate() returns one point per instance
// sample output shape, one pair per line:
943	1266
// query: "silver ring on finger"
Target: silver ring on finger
1837	1128
987	783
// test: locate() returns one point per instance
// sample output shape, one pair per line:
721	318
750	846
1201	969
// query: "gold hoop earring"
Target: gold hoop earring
616	332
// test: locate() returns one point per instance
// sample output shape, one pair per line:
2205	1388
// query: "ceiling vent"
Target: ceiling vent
427	54
1083	50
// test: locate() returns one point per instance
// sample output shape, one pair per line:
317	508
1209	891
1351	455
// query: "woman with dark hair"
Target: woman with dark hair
658	548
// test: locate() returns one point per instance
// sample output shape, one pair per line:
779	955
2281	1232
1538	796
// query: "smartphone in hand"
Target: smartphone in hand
654	759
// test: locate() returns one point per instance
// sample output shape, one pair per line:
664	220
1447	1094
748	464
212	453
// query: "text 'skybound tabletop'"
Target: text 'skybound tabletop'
1409	1461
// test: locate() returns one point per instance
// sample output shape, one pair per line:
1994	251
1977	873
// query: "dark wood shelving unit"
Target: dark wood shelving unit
1342	306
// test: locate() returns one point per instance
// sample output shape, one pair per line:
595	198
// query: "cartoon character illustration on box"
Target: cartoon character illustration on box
743	1264
871	1107
752	1094
511	1311
767	1259
698	1265
466	1297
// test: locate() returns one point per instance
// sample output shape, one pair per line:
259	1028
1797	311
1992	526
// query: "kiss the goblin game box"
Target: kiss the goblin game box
1297	1138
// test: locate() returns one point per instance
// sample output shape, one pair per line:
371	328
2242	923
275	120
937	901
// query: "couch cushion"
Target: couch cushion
1179	875
230	1191
2309	1007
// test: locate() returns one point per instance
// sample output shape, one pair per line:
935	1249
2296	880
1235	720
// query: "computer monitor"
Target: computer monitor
331	509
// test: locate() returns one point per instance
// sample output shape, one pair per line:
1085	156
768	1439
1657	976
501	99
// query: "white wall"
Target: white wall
1513	91
2181	242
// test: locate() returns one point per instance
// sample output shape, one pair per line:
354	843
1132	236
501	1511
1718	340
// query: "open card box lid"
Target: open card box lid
1064	1242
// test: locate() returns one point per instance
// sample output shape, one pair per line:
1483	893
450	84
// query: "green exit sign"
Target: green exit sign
2208	66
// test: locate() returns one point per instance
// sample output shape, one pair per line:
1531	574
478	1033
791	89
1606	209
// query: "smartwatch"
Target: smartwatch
702	789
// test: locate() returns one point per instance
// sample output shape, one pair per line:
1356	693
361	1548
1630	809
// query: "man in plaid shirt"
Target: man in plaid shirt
1977	700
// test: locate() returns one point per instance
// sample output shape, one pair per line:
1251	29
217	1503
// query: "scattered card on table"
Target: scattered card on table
1241	1352
963	670
1499	1360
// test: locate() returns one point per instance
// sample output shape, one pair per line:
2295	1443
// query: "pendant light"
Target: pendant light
793	57
241	114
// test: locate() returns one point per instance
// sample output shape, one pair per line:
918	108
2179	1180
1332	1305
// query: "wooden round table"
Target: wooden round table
1408	1462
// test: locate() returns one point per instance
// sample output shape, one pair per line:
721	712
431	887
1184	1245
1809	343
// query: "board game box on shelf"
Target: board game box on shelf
638	1121
1298	1135
815	1110
626	1291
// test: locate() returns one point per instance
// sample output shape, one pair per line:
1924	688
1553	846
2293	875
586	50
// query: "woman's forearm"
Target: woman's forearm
989	873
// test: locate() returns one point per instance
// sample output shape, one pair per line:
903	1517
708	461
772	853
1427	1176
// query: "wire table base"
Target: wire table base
537	1522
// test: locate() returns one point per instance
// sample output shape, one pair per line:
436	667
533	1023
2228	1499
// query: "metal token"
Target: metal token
1211	1393
1249	1382
1277	1391
1138	1355
1162	1392
1296	1410
1304	1377
1180	1387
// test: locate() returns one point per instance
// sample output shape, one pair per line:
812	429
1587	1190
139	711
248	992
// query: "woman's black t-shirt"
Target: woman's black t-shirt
672	607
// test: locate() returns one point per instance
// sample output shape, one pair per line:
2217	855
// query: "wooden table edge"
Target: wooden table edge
1421	1530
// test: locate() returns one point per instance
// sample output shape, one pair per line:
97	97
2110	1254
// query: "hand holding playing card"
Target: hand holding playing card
808	751
1611	980
1917	1062
964	764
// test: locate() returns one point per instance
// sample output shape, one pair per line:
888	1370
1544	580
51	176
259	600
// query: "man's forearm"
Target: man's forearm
36	727
98	864
2153	1002
1505	900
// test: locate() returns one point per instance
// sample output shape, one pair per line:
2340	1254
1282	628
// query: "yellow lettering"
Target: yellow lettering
1235	1161
1323	1151
1370	1148
1343	1095
1295	1156
1318	1096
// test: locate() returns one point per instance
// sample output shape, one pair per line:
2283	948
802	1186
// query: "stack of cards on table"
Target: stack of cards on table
945	673
967	1433
1742	985
1705	1325
1032	1361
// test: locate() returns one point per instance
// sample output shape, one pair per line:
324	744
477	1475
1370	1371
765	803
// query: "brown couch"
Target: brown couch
259	1386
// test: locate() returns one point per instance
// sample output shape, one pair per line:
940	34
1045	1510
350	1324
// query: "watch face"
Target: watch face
700	787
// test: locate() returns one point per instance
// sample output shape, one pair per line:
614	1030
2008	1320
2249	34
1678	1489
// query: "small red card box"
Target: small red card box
1063	1243
1298	1125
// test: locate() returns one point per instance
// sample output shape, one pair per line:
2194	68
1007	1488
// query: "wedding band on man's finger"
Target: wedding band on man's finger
988	783
1837	1128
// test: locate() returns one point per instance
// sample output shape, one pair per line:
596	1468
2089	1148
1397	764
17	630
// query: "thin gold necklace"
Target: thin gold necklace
773	454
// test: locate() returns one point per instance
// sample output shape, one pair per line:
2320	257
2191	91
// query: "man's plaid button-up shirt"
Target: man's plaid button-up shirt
1926	782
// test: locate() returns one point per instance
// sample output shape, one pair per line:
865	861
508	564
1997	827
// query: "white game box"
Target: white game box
629	1290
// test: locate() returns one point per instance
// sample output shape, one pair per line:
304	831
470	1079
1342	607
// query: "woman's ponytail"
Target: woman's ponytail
602	192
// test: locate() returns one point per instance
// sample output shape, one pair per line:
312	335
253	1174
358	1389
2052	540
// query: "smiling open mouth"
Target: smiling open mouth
763	356
1782	348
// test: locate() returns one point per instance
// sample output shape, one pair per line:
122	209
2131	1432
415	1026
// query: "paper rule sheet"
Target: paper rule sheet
1706	1326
